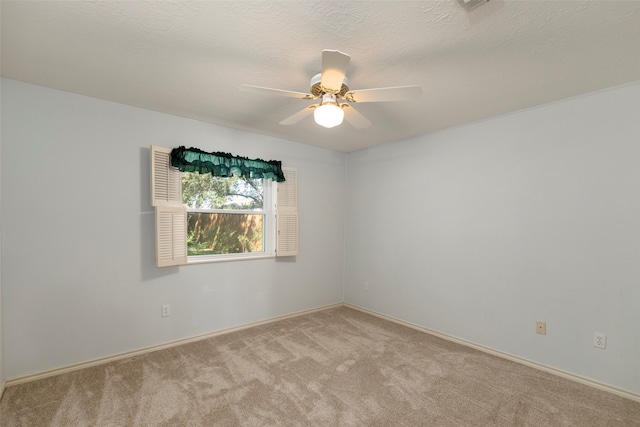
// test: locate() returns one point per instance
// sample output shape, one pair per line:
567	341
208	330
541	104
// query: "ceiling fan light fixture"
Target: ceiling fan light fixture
328	113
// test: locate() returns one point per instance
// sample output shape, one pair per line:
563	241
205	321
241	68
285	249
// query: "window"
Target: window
225	216
205	218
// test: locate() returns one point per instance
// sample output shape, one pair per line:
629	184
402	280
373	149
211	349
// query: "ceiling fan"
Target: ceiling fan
331	87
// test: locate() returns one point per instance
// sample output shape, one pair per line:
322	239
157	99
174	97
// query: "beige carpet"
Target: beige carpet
337	367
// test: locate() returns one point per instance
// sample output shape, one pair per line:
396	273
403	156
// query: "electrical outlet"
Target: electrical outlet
599	340
366	286
541	328
166	310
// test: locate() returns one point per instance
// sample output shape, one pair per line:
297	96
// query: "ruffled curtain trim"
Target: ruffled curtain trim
225	164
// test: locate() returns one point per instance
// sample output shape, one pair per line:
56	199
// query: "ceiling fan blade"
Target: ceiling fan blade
277	92
299	115
356	119
400	93
334	67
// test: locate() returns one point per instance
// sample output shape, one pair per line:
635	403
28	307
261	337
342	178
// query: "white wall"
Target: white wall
480	230
79	276
529	216
2	375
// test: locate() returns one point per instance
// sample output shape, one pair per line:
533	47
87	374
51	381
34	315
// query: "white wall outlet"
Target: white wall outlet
166	310
365	286
599	340
541	328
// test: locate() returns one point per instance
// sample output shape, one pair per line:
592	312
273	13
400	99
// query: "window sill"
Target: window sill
203	259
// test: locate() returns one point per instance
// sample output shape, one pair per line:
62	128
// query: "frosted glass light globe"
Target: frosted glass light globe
328	114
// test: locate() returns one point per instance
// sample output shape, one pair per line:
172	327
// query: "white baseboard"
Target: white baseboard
568	375
103	360
589	382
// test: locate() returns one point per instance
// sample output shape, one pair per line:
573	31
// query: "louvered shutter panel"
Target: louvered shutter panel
171	215
171	236
287	214
166	181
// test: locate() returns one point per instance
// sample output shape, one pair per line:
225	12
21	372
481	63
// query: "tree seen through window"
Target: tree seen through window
225	215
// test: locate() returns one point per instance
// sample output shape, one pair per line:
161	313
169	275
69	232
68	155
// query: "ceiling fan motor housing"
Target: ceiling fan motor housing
317	90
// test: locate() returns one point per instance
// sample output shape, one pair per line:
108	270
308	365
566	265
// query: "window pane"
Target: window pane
208	192
222	233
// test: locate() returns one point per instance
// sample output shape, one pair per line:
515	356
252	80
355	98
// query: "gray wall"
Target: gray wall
479	231
79	276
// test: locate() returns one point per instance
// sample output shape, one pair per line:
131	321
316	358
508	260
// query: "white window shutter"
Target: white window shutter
171	236
287	214
166	181
171	216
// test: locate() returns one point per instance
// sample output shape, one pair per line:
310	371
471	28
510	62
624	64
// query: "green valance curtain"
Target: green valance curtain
224	164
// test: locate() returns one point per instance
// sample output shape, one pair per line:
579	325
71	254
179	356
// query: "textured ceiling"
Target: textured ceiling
188	58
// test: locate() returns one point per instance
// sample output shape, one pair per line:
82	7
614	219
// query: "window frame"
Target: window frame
268	212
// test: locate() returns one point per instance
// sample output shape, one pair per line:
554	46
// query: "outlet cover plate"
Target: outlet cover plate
166	310
599	340
541	328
